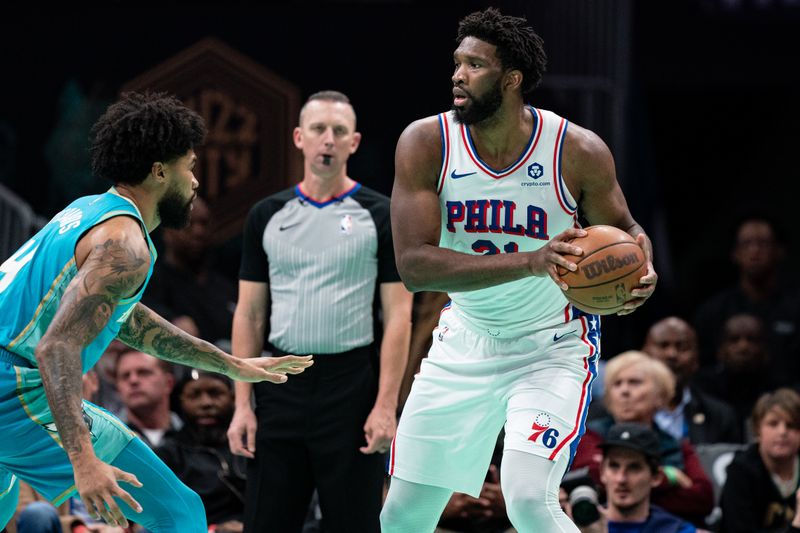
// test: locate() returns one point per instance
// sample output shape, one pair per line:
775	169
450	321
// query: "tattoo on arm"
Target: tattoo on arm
110	272
148	332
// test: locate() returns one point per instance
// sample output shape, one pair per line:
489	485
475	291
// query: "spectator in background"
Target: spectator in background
107	395
629	471
690	413
637	386
761	488
742	372
185	289
144	383
757	253
199	453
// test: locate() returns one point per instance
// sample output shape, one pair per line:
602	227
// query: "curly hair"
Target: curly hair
518	46
140	129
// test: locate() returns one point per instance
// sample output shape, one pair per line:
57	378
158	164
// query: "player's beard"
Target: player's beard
479	109
174	210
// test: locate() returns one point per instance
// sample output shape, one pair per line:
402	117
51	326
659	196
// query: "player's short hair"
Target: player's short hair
518	46
785	399
654	369
140	129
326	96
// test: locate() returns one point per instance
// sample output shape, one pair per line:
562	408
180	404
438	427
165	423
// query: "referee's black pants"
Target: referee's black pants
309	433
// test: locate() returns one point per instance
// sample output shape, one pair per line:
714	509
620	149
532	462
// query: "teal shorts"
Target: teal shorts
30	447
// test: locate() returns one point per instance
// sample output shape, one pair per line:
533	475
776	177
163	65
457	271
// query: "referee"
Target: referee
312	259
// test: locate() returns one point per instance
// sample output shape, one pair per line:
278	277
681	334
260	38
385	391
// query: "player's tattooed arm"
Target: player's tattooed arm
111	271
149	332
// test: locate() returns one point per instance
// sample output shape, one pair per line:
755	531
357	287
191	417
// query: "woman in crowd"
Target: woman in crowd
636	387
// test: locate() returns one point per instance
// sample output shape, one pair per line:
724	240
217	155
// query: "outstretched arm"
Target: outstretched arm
416	220
150	333
113	262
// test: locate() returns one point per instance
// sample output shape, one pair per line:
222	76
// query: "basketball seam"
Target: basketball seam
598	308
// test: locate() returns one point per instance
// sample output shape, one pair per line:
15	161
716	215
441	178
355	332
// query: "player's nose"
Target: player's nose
458	76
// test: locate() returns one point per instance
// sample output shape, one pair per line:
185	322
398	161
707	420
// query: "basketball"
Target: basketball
611	265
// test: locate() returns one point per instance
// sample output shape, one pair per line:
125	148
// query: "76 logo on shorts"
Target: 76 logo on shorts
541	428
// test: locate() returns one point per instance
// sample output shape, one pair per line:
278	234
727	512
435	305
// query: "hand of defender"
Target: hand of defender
545	260
97	487
647	283
272	369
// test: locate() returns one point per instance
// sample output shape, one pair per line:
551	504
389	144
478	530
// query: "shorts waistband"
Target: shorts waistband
13	359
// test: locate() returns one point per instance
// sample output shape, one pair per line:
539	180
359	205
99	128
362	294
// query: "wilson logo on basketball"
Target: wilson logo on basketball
609	264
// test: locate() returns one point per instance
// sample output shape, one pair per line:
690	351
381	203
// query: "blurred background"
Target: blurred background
697	99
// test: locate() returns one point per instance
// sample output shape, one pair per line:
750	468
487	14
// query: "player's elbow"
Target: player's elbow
412	274
47	348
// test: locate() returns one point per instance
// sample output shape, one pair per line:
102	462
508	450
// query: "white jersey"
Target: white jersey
516	209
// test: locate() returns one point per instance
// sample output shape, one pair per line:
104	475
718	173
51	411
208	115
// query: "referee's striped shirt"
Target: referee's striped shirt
323	262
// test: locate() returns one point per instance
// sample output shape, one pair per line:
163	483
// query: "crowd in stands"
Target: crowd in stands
697	429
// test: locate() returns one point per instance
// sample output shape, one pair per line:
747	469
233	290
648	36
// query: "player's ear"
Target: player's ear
513	79
157	171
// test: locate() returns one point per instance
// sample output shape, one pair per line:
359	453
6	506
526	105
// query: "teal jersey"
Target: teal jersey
33	280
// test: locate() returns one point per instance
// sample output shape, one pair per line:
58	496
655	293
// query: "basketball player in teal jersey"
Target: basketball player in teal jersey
485	200
75	286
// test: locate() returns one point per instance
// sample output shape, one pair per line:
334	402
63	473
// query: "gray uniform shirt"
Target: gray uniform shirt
322	261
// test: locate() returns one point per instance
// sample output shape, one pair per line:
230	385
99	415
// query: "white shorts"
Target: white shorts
471	384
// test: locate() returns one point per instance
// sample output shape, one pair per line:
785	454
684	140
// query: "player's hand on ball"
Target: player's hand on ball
647	283
545	260
272	369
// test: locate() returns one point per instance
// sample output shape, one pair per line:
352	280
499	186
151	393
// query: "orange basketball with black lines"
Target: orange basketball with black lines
610	267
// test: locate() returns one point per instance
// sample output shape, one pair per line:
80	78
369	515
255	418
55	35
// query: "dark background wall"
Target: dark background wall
710	117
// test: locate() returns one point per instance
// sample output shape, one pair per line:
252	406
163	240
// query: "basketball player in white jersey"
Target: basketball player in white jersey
485	199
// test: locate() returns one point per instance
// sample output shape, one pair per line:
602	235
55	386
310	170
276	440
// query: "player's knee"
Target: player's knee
389	516
532	506
395	519
194	512
186	513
